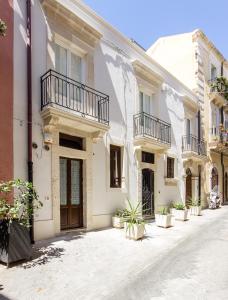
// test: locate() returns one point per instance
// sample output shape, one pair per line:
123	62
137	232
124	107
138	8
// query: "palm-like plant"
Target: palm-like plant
133	214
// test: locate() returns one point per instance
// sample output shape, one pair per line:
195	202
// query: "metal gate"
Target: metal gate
147	192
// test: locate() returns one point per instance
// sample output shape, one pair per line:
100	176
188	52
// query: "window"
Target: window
170	167
148	157
115	166
69	141
213	72
68	63
188	130
145	103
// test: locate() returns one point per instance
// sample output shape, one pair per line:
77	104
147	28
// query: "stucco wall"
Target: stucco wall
111	72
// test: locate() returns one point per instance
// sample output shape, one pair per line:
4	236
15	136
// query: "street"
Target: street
195	269
187	261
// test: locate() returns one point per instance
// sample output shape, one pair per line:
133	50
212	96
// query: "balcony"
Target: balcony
218	139
74	104
151	132
193	148
218	91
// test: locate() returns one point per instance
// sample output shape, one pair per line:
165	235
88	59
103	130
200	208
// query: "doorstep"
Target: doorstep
72	230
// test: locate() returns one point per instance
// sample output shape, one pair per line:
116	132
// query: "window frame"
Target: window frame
170	168
115	182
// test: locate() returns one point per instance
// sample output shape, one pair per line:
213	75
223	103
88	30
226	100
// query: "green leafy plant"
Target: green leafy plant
3	28
220	85
133	215
179	206
121	213
163	211
194	202
25	201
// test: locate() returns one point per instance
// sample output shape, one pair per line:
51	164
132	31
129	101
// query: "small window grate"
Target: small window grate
69	141
148	157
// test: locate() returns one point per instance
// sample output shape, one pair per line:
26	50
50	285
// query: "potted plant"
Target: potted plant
18	200
118	218
134	224
163	218
195	208
180	212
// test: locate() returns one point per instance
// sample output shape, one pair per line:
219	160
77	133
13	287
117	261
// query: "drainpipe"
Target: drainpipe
223	178
29	106
222	160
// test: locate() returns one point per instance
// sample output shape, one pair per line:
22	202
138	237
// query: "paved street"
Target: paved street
188	261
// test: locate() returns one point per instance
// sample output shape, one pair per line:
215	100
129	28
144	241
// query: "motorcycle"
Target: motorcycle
214	198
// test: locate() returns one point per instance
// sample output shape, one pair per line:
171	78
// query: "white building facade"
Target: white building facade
108	122
195	60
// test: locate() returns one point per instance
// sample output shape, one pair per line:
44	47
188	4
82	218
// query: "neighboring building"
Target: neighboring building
194	60
108	122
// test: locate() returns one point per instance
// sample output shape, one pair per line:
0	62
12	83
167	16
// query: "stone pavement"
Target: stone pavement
94	265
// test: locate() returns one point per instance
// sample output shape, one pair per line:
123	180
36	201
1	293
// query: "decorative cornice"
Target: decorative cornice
147	73
200	34
58	12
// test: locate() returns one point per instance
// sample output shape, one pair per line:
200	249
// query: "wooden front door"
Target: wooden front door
71	208
188	188
226	187
214	178
147	192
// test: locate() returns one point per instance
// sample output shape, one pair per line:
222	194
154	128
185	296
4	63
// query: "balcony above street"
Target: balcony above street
193	148
73	104
218	139
151	132
218	91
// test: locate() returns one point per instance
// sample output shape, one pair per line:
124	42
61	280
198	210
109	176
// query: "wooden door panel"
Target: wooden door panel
188	190
64	217
71	193
75	217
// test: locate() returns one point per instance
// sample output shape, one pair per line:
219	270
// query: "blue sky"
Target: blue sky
146	20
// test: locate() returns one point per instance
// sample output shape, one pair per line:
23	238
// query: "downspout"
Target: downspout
29	106
222	158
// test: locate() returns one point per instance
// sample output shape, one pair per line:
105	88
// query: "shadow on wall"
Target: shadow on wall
120	88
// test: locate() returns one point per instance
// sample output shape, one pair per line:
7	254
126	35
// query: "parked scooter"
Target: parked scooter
214	198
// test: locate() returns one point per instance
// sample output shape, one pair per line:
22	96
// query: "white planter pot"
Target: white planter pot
117	222
195	210
135	231
172	211
164	220
181	215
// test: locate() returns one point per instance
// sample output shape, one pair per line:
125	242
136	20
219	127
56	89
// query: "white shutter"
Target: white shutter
63	181
76	67
60	59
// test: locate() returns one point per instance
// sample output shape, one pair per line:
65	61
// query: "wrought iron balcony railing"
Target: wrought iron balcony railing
61	91
219	134
193	144
150	126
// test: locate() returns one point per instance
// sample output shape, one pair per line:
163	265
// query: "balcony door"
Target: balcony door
68	64
71	204
146	107
188	133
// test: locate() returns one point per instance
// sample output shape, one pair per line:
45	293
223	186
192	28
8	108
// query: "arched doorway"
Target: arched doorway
147	192
214	178
226	186
188	187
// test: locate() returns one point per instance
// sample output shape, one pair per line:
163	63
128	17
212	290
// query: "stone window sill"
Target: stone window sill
171	181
